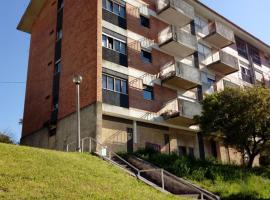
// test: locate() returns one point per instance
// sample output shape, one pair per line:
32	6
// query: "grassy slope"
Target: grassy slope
28	173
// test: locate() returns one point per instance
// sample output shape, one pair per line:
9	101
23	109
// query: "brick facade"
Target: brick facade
38	98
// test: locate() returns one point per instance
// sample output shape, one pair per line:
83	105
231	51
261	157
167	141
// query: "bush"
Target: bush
198	170
4	138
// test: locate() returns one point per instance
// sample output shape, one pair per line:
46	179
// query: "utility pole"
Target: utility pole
77	79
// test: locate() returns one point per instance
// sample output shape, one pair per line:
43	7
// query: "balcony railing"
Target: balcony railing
177	42
222	62
180	75
218	35
181	111
176	12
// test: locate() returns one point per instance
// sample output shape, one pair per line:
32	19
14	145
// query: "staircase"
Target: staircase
171	183
148	173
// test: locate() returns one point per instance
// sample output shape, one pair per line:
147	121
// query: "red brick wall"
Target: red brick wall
159	59
151	4
81	41
81	54
134	24
38	97
162	95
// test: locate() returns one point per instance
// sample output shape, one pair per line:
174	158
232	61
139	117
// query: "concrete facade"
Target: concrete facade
138	48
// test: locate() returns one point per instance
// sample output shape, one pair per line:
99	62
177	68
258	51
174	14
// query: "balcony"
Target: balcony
176	12
180	75
218	35
177	42
181	112
222	63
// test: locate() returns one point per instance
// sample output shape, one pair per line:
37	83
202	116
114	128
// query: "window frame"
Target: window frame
145	59
149	89
105	7
244	71
241	46
122	43
57	69
114	84
255	55
146	23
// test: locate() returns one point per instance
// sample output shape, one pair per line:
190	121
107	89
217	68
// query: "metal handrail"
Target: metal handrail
137	171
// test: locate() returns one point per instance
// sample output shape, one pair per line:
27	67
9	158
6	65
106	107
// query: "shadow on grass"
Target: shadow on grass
244	196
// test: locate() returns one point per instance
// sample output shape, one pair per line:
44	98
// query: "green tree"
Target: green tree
5	138
241	117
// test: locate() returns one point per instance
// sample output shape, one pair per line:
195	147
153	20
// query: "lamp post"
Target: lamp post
77	79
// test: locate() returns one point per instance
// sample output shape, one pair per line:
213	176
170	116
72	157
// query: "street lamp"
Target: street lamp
77	79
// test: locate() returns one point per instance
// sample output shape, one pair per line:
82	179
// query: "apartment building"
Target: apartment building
145	64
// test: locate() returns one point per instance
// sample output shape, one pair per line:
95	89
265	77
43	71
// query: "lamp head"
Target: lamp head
77	79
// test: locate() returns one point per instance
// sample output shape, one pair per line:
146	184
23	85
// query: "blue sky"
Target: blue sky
14	47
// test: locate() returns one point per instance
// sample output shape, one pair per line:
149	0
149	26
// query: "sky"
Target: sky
252	15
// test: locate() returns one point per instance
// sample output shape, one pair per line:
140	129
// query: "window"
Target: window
117	45
241	47
104	81
110	43
60	4
55	107
255	54
246	75
114	84
122	48
57	67
114	8
152	146
146	56
104	40
110	83
124	86
59	34
148	93
182	151
145	21
117	85
203	52
122	12
113	44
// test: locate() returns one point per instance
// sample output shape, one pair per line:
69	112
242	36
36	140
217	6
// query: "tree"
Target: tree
5	138
241	117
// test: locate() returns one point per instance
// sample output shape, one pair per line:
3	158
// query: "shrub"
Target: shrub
4	138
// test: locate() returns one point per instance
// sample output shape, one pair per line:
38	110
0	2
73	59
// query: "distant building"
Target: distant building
145	64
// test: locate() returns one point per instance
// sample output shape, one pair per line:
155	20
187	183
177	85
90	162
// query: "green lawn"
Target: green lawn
29	173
